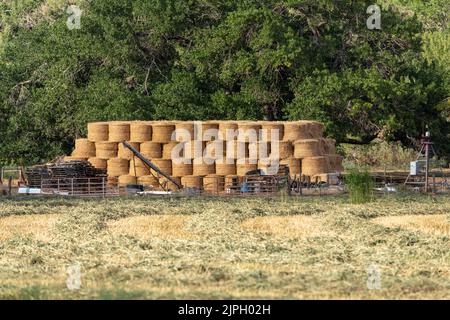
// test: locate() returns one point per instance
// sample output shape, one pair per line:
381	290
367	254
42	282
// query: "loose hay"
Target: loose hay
436	224
38	226
151	227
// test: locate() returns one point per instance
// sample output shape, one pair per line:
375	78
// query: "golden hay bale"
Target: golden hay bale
307	148
236	149
295	166
119	131
213	183
194	149
127	179
106	150
182	169
168	148
271	131
228	130
164	165
243	166
281	149
315	129
315	165
84	148
126	153
166	184
140	131
98	163
192	182
295	131
184	131
138	171
151	150
207	131
118	167
225	167
202	168
74	158
98	131
215	149
162	132
148	180
257	150
248	131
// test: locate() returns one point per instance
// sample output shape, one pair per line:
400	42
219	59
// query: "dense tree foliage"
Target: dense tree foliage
221	59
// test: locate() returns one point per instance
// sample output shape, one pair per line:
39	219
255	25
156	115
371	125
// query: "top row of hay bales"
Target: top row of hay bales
161	131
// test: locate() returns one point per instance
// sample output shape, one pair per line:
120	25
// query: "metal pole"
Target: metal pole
427	162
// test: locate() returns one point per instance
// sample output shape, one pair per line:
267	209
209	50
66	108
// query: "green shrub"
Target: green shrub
360	186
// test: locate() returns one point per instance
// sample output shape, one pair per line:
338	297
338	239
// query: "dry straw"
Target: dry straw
125	153
119	131
140	131
98	163
248	131
192	182
167	150
225	167
118	167
74	158
307	148
281	149
162	132
106	150
200	168
315	165
271	131
98	131
164	165
228	130
243	166
182	169
151	150
84	148
169	185
184	131
127	179
236	149
148	180
296	130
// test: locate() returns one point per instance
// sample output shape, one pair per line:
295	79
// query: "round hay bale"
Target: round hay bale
258	150
213	183
194	182
118	167
164	165
106	150
140	131
151	150
307	148
119	131
295	166
315	129
315	165
84	148
215	149
236	149
127	179
168	148
281	149
184	131
138	171
248	131
271	131
126	153
162	132
209	131
243	166
296	130
201	168
148	180
98	131
225	167
228	130
182	169
98	163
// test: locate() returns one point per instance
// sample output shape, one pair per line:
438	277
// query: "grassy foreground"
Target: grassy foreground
134	248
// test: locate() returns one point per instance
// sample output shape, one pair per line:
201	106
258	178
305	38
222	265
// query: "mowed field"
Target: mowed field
193	248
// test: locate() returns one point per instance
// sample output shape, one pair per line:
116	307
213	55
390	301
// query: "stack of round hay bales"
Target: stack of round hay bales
162	132
126	153
140	131
214	183
225	166
106	150
98	131
194	182
119	131
84	148
307	148
118	167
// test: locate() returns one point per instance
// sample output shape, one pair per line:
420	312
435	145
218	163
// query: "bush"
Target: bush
360	186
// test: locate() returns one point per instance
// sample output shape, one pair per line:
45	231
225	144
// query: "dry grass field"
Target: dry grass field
191	248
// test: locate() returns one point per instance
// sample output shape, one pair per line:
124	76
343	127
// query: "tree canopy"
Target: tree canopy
221	59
